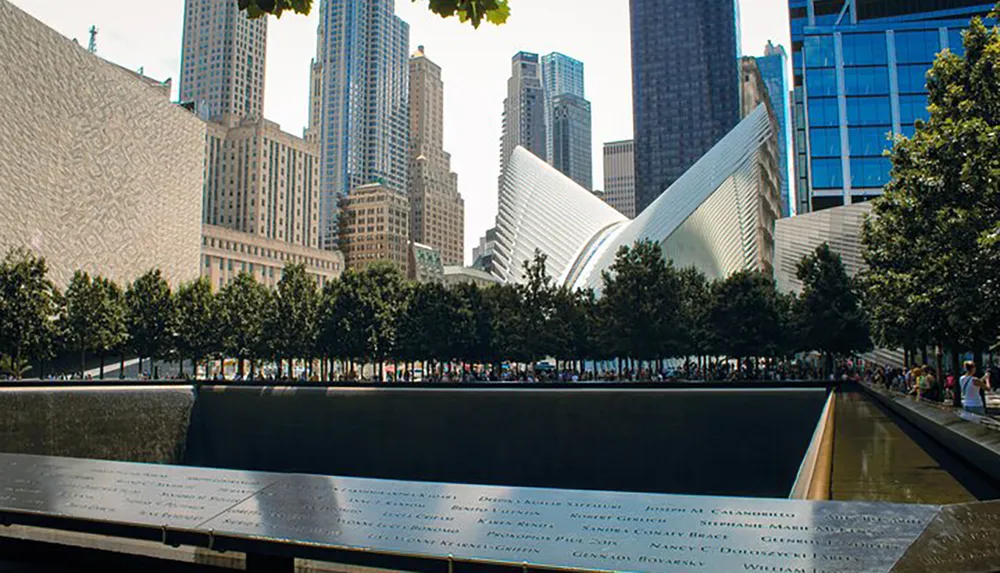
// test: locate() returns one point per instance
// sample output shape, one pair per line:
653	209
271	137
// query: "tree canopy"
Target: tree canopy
471	11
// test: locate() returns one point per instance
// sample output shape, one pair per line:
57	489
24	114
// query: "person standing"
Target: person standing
972	400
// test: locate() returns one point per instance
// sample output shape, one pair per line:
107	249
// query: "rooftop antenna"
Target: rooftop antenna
92	46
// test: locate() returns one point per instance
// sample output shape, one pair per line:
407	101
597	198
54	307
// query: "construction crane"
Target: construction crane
92	46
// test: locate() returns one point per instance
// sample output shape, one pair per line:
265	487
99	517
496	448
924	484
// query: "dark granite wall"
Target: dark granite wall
723	442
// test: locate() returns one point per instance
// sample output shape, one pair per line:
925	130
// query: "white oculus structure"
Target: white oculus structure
718	217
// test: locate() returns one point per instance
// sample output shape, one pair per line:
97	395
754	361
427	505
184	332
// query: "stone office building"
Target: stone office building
375	227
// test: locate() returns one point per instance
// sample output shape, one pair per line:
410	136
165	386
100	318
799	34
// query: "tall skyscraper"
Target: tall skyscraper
772	66
859	74
567	118
619	176
572	150
685	86
524	109
222	60
437	209
361	122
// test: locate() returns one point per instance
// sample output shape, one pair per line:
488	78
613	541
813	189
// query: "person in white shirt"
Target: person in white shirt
972	400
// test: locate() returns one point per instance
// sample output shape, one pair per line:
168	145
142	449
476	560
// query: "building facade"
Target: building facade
482	254
437	209
99	171
456	275
773	69
424	264
226	253
567	118
375	227
262	181
524	110
859	76
359	113
572	149
619	176
222	60
685	86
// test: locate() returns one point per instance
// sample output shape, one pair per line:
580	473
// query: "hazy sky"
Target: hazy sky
475	63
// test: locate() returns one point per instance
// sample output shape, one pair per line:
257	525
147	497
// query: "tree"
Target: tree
745	316
473	331
243	305
829	309
108	320
292	325
472	11
149	316
928	243
28	308
82	302
197	323
381	296
538	294
642	299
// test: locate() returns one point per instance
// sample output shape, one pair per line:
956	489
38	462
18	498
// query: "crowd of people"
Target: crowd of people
922	383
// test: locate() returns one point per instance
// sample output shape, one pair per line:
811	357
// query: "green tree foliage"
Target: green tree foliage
642	298
82	304
830	317
28	307
474	329
382	298
538	295
928	247
472	11
292	324
197	334
149	316
745	315
108	323
243	309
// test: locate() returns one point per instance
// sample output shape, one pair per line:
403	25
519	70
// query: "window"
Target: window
870	171
912	78
868	111
823	112
866	81
827	174
912	108
864	49
821	82
818	51
824	142
868	141
917	46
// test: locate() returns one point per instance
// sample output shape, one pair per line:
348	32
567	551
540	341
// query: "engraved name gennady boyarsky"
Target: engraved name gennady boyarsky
545	527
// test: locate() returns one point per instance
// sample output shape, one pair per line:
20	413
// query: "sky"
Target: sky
475	66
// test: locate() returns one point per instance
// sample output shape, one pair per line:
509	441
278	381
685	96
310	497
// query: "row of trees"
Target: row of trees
649	311
933	244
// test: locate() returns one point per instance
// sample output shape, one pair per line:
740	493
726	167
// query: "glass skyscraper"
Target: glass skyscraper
685	86
359	109
567	118
859	76
772	66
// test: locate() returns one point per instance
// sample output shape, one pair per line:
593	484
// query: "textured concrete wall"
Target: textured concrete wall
98	171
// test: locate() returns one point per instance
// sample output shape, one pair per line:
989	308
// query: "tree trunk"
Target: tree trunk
121	366
923	355
83	363
180	368
253	368
102	366
291	369
222	367
956	368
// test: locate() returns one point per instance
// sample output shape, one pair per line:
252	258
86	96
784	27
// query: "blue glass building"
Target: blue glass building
772	66
685	86
859	75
